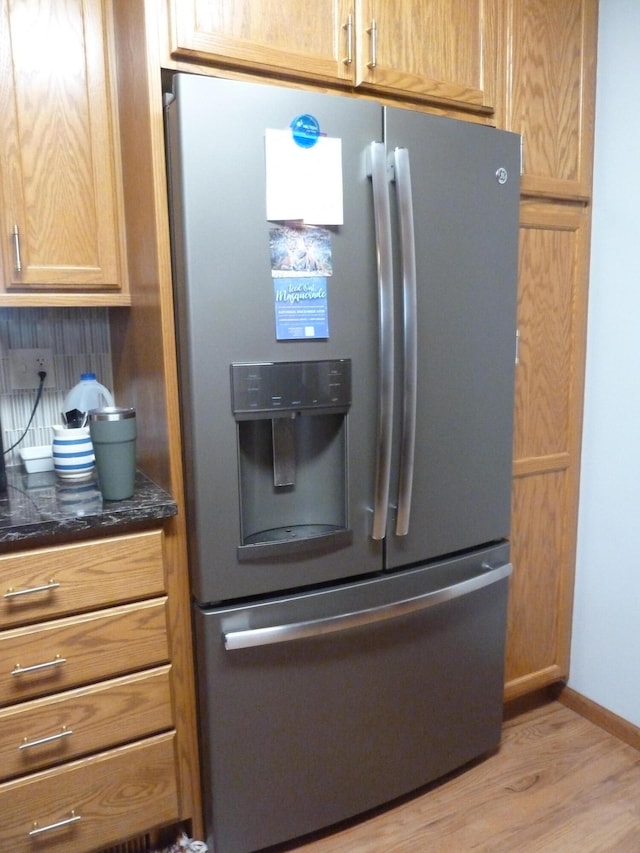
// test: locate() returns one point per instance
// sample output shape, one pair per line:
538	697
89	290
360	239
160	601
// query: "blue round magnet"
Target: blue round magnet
305	130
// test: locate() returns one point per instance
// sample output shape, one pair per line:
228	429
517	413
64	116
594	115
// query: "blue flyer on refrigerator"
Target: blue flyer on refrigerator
301	308
300	267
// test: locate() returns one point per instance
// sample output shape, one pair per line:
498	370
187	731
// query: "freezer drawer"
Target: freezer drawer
320	706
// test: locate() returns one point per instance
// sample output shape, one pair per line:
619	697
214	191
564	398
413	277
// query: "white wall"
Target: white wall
605	659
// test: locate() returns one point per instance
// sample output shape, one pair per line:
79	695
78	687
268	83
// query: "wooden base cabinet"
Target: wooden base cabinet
85	805
88	752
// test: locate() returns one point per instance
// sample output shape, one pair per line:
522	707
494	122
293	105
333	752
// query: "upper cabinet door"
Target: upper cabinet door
305	38
60	181
440	50
550	81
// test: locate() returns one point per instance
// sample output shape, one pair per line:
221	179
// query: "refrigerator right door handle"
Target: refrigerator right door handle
254	637
402	177
382	217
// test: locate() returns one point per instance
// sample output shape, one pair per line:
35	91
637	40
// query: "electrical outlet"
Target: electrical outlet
24	366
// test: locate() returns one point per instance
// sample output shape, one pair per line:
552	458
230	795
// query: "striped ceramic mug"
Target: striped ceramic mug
72	450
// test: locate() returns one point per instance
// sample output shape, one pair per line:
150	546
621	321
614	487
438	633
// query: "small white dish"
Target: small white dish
37	459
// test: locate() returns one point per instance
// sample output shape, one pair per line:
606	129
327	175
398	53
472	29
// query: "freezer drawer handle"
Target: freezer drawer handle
316	627
402	179
382	216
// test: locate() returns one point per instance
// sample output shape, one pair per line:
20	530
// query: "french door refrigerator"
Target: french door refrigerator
345	288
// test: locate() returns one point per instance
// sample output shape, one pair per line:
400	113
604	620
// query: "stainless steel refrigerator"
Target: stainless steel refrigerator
345	283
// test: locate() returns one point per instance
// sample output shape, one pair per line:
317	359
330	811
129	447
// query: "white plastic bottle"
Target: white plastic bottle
87	394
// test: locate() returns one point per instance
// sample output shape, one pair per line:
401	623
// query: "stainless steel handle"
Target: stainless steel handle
37	667
373	36
348	28
316	627
29	744
382	217
16	593
402	175
38	830
15	234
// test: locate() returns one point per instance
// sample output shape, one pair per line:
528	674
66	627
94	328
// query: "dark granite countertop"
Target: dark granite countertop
38	506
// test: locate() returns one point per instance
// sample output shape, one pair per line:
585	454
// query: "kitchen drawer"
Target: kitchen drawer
67	653
45	732
48	582
92	803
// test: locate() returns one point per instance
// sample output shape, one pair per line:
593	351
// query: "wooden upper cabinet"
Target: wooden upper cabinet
550	60
61	208
438	50
309	39
442	50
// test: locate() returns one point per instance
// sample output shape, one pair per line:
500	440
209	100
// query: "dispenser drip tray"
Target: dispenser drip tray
280	541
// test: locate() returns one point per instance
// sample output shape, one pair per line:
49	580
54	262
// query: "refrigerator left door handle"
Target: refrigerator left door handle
402	178
382	217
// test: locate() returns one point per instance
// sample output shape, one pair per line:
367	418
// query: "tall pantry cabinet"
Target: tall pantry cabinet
548	97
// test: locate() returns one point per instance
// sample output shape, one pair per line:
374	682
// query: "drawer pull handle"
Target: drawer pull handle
36	667
15	593
38	830
27	744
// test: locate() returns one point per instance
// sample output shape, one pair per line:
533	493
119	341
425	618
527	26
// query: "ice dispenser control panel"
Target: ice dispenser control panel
262	388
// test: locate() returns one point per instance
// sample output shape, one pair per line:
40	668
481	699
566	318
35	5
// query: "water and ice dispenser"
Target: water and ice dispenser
291	420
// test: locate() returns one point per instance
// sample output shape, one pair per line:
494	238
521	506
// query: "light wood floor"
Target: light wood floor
558	783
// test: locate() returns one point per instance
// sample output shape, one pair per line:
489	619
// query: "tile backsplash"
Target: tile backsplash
79	340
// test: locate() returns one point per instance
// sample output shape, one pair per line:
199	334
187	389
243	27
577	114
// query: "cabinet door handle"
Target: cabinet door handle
373	35
36	667
28	744
348	28
15	593
15	234
38	830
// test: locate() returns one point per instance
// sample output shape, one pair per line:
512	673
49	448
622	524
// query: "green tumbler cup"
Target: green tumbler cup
113	434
